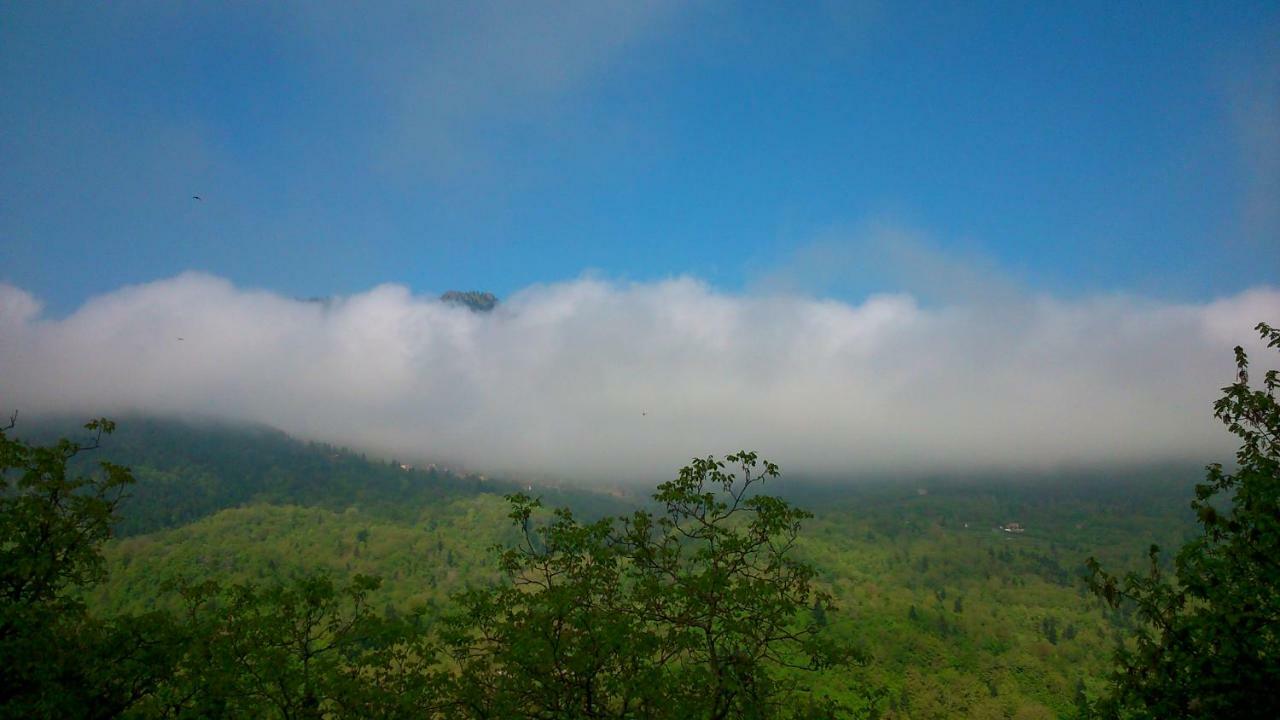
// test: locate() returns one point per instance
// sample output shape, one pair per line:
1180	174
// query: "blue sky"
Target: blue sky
859	237
1069	148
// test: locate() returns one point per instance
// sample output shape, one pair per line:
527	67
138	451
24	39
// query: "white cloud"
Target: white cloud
459	82
1256	112
598	379
17	308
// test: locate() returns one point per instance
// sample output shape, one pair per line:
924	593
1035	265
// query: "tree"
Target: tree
1210	643
55	659
51	524
304	649
1049	626
696	611
819	613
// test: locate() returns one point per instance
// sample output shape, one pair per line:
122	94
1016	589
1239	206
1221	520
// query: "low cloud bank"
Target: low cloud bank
599	380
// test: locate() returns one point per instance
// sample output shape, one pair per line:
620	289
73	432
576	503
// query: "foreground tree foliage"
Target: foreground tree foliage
56	660
694	611
306	649
689	613
1210	647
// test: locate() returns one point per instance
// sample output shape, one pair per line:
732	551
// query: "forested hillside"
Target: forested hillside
956	616
186	470
957	598
964	619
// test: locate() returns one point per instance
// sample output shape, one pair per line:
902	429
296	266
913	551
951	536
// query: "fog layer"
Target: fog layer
593	379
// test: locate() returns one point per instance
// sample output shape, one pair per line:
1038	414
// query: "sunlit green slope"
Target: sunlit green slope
958	617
